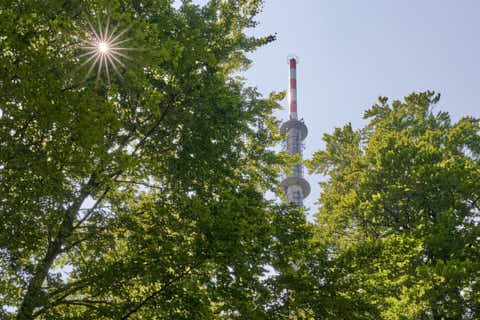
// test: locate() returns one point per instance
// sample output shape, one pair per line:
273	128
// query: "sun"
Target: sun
104	51
103	47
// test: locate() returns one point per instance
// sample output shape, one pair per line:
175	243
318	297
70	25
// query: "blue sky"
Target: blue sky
351	52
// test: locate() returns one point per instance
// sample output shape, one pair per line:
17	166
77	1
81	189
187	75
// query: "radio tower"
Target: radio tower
295	186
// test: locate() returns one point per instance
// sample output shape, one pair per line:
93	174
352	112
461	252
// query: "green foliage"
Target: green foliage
309	284
401	204
140	197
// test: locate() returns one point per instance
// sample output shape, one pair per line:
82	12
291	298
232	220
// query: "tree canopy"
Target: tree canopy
400	209
134	174
135	192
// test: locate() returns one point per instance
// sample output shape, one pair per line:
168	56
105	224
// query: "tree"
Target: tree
310	284
137	193
401	208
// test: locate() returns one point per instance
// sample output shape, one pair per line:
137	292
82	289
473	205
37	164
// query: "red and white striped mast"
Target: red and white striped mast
292	61
295	186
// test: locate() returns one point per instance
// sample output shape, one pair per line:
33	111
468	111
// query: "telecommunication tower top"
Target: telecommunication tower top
295	186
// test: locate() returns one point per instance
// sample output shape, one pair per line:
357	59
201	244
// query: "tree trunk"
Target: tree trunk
33	297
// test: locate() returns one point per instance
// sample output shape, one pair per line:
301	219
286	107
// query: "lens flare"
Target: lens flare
104	50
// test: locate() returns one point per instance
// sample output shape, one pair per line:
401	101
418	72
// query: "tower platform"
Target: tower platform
292	180
294	124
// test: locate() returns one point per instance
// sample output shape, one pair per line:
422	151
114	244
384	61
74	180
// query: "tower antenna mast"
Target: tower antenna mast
295	186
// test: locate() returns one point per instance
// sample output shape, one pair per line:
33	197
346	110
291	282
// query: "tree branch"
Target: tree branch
475	202
158	292
92	209
138	183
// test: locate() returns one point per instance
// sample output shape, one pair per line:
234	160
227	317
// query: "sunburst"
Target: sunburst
104	50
